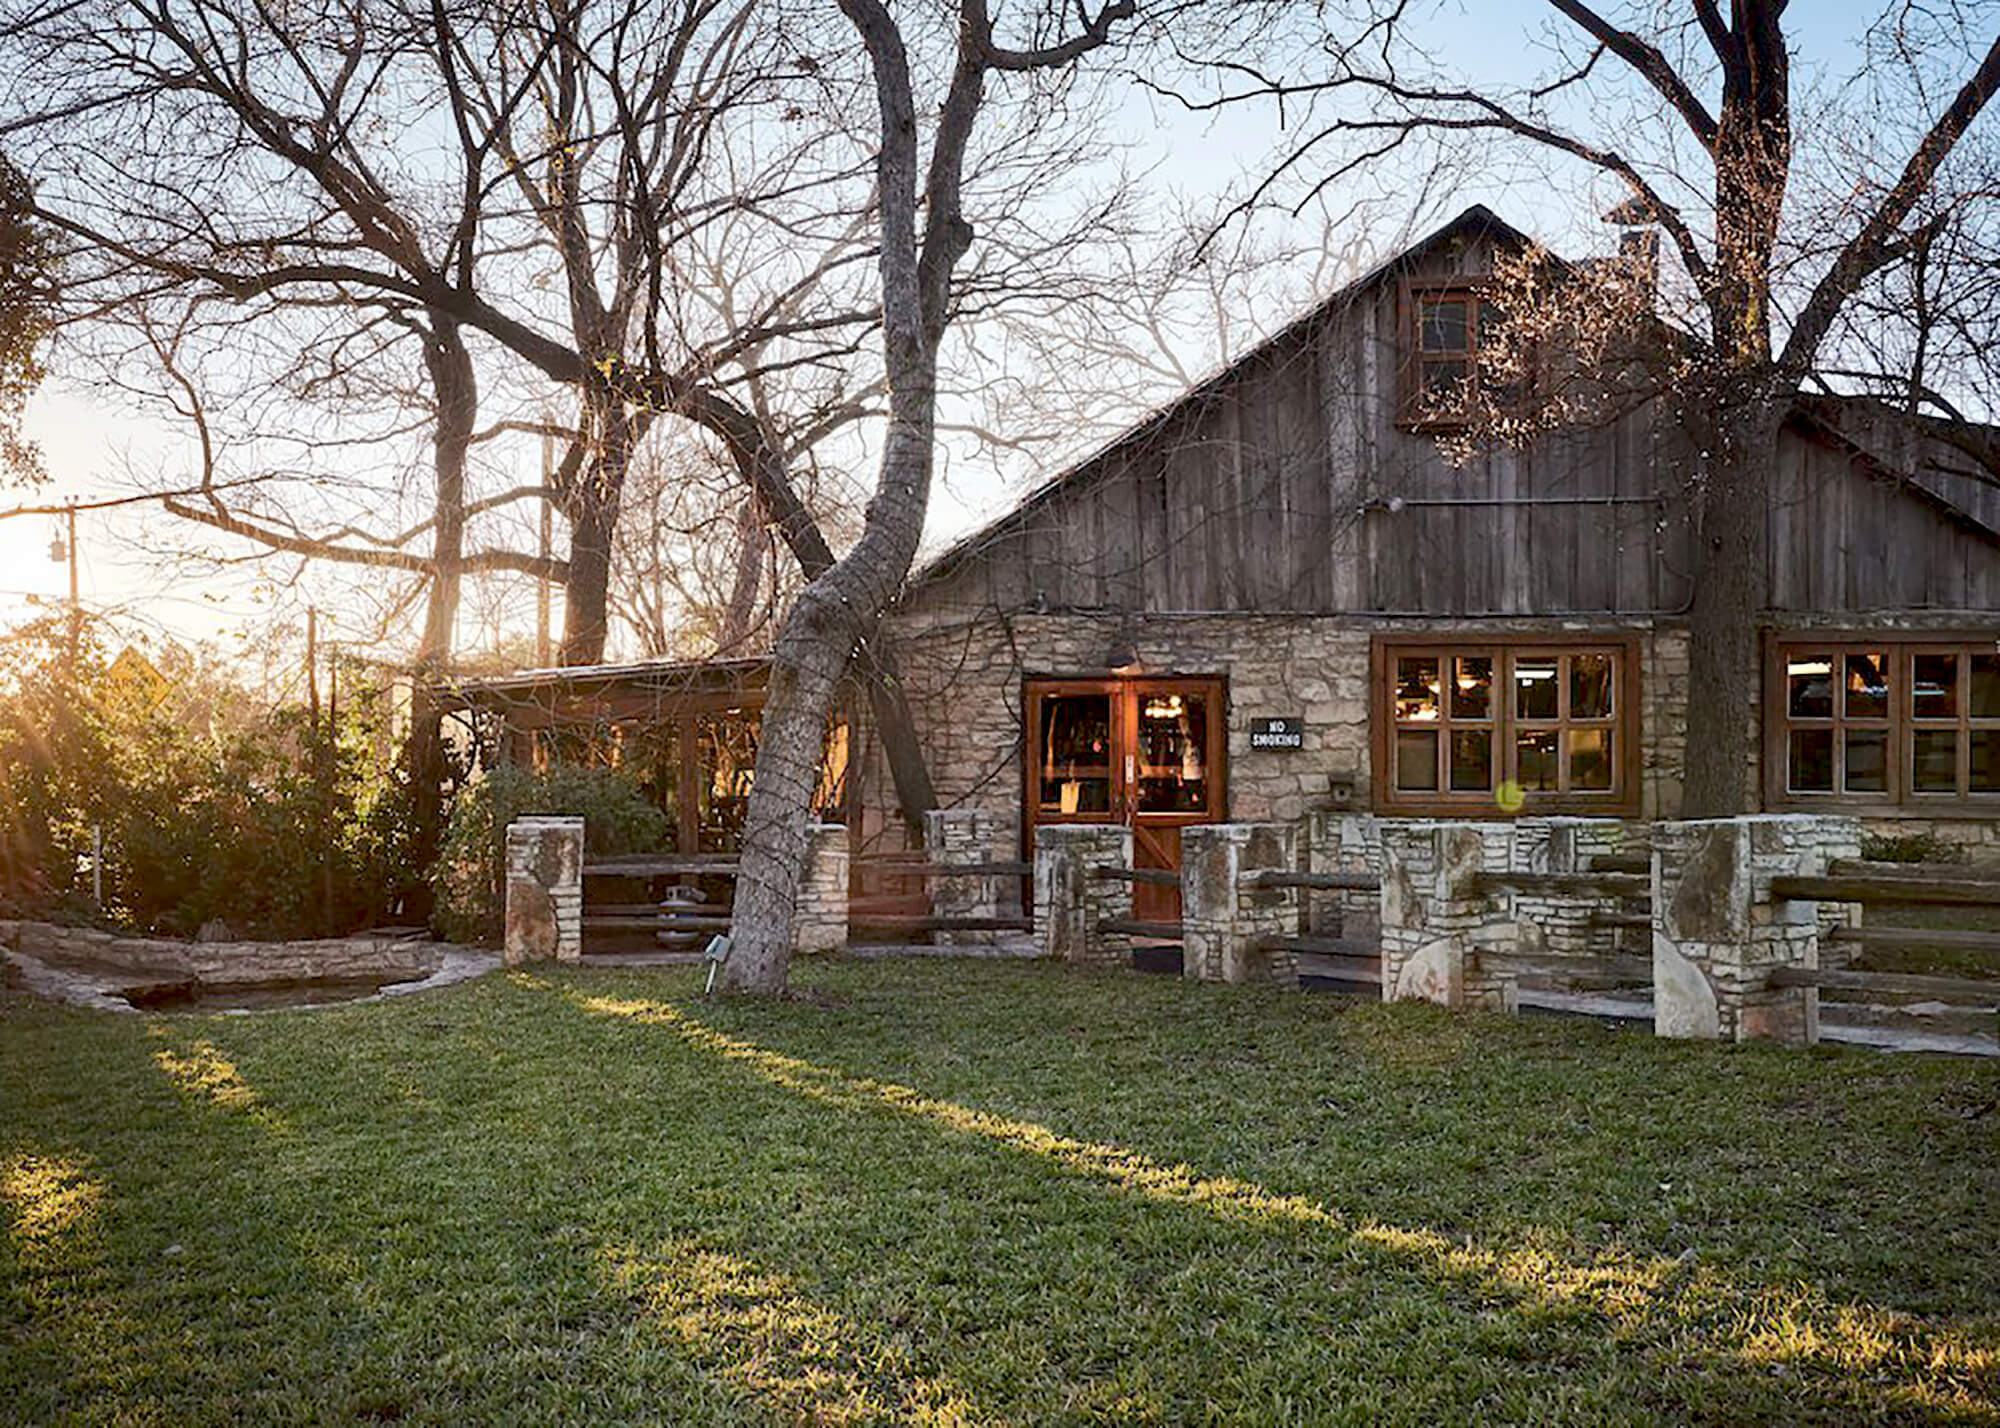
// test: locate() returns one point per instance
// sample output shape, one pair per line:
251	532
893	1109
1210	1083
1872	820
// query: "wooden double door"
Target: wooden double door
1149	753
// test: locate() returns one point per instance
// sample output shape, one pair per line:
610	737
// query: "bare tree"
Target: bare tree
26	300
923	234
1711	161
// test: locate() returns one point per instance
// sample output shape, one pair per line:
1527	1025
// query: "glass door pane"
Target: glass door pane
1075	757
1172	753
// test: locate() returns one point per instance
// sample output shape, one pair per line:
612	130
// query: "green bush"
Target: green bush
617	818
1910	848
209	806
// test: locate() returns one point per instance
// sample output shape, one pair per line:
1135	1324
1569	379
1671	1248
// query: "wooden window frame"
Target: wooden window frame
1415	293
1123	791
1901	799
1623	798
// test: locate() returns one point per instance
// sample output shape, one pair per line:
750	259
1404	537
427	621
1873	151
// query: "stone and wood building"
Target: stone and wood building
1275	597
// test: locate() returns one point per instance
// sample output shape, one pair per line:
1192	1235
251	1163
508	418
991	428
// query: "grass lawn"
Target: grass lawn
979	1193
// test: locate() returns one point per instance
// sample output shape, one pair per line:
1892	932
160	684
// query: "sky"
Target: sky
92	441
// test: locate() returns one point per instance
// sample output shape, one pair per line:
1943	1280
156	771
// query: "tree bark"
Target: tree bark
839	609
456	389
592	501
1732	498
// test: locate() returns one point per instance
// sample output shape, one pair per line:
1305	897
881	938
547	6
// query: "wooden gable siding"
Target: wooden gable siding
1848	536
1270	491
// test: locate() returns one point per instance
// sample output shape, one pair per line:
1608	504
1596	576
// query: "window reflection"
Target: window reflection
1417	690
1417	759
1076	753
1810	678
1536	765
1809	764
1590	686
1536	693
1472	687
1173	753
1867	686
1934	686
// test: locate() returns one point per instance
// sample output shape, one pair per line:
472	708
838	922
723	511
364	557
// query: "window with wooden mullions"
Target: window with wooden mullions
1447	326
1888	723
1467	721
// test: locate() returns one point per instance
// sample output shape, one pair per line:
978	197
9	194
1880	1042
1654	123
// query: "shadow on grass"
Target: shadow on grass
545	1201
1709	1347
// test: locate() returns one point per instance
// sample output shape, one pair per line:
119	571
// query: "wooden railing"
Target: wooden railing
889	912
1950	885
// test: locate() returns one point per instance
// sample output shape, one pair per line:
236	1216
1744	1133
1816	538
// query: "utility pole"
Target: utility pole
65	549
312	665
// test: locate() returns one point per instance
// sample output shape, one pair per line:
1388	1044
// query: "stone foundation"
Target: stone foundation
233	964
544	890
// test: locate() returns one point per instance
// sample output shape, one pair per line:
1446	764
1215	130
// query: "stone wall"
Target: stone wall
544	890
955	837
1718	931
1071	903
819	917
964	672
227	964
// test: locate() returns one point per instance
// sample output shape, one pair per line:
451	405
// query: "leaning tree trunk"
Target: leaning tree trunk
1738	439
762	465
457	392
830	619
840	610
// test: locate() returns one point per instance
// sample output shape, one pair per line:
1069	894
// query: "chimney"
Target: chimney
1639	250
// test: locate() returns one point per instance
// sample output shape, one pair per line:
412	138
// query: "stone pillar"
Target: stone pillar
1070	902
1565	924
819	920
1342	843
1434	915
544	890
1718	932
1224	916
954	837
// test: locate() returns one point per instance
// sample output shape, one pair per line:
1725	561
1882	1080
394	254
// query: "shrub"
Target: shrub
1923	847
209	806
617	818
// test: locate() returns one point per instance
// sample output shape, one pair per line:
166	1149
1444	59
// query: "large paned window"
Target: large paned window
1882	723
1472	728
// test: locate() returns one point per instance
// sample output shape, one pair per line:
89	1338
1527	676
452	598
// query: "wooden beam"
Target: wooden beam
1131	927
1158	877
660	867
1980	992
1572	884
1918	939
1331	882
1963	892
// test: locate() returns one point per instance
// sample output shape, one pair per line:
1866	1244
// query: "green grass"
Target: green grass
979	1193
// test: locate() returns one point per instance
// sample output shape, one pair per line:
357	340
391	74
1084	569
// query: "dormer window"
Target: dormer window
1443	353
